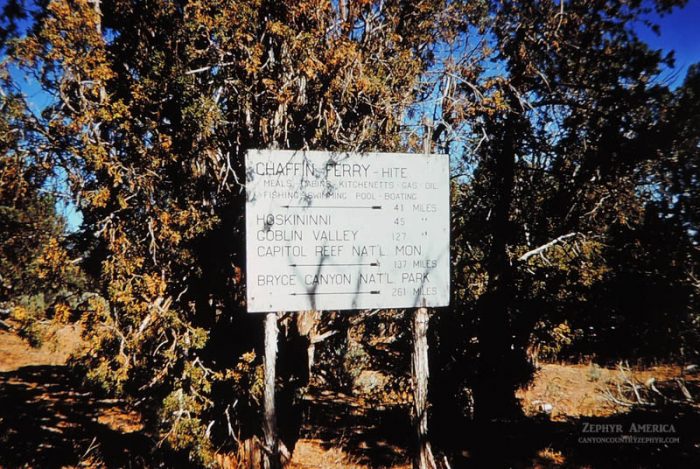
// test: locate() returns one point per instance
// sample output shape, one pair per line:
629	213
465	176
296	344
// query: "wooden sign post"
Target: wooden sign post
271	458
420	371
423	458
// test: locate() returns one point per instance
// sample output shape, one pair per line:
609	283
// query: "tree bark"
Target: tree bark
272	453
423	458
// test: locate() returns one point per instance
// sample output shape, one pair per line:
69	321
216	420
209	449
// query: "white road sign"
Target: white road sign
332	231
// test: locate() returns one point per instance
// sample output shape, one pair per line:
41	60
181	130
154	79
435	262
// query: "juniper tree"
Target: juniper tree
571	121
154	107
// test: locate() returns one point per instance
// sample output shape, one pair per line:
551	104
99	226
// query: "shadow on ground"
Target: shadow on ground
48	420
644	438
375	436
378	437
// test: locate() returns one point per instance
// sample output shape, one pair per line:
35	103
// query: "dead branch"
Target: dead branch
540	250
629	392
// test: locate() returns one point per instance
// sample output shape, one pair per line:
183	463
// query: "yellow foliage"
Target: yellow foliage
154	285
53	261
19	313
99	198
62	313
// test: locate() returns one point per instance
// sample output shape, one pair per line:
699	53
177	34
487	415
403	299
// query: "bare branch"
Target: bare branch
540	250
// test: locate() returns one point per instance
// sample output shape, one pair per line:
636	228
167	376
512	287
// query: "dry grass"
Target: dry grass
575	391
16	353
314	454
548	457
120	420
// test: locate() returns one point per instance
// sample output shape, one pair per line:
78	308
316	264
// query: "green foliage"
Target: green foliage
39	281
548	341
564	144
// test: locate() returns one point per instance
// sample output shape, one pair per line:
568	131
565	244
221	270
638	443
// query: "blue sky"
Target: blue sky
680	31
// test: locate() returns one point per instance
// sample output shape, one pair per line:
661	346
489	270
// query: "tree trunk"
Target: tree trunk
494	391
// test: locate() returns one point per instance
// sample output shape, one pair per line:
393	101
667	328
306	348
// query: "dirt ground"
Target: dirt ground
16	353
47	419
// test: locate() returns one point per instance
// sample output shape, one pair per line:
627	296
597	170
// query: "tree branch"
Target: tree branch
546	246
